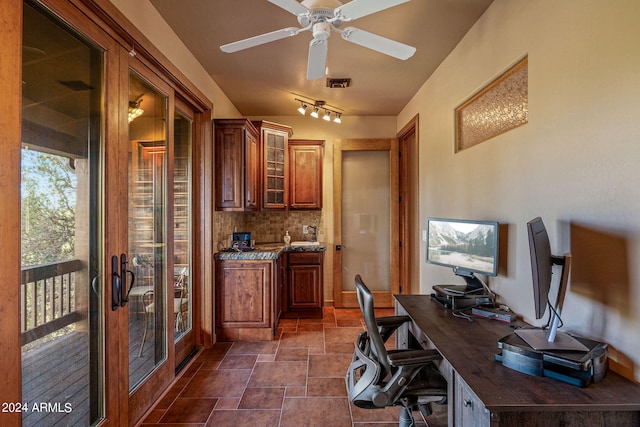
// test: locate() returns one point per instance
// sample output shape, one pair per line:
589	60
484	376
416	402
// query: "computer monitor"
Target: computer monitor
542	263
466	246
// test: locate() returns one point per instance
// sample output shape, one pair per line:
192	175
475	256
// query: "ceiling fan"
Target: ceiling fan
323	16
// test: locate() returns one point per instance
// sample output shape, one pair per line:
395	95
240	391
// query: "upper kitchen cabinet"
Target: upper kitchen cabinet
275	152
305	174
236	165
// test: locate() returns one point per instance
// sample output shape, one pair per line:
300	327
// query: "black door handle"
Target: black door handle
124	271
116	283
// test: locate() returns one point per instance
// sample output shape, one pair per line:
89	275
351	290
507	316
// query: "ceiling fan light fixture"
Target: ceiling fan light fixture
321	17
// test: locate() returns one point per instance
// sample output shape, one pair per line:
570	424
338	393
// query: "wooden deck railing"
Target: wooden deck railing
48	293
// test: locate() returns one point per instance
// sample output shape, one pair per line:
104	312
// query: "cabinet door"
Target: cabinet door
229	162
305	174
252	175
304	283
243	294
275	149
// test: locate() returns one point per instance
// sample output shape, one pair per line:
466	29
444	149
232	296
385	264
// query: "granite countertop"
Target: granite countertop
267	251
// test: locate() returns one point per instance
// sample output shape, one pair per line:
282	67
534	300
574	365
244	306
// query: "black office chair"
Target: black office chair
377	378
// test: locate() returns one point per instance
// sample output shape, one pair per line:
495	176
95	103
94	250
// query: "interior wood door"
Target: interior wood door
366	219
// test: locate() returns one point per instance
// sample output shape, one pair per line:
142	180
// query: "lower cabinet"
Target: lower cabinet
304	296
252	295
244	296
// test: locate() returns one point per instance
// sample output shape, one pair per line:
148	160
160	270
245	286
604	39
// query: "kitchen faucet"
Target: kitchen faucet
314	232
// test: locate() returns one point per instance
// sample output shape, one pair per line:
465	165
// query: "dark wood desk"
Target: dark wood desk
483	392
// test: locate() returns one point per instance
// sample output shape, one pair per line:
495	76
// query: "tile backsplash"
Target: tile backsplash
268	226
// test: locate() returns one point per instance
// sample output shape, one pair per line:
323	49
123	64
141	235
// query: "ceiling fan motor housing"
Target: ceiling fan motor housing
319	11
321	30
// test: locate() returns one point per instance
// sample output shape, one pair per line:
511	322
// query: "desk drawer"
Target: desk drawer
305	258
468	408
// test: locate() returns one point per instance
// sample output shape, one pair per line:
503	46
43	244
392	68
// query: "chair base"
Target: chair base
406	418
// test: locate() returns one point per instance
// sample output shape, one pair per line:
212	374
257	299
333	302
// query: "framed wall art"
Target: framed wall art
497	108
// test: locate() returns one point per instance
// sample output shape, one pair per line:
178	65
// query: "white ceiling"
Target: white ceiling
264	80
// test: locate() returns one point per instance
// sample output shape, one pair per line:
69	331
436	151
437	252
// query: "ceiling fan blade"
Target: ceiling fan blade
261	39
378	43
291	6
317	59
358	8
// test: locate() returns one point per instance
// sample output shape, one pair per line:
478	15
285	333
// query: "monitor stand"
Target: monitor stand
538	339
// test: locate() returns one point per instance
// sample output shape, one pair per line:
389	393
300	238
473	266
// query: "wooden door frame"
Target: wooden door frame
349	298
10	146
408	231
184	346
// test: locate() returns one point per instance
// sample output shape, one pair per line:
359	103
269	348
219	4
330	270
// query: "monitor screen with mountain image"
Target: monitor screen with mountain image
468	247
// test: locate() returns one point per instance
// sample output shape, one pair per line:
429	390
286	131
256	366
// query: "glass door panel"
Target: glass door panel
182	193
61	236
147	233
365	223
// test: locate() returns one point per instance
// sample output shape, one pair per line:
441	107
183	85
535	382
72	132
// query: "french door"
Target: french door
107	292
366	219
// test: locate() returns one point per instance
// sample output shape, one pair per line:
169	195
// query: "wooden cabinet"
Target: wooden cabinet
257	167
274	140
304	296
236	165
305	174
244	295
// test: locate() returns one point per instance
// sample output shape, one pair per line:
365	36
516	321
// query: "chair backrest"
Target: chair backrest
365	300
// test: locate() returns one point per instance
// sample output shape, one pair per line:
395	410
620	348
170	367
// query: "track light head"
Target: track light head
337	119
327	115
314	113
303	108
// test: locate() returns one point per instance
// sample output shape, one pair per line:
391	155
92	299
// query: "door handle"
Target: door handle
338	247
116	283
124	271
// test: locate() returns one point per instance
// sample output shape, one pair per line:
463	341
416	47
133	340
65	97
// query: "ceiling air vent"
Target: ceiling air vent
338	83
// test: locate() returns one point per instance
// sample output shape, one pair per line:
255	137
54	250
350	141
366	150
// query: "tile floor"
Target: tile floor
296	380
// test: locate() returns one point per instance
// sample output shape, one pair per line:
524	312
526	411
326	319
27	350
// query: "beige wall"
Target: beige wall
575	163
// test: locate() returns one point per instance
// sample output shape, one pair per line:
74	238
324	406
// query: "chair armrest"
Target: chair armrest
392	320
413	357
387	325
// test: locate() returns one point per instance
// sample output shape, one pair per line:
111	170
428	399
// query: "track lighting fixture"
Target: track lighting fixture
317	106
